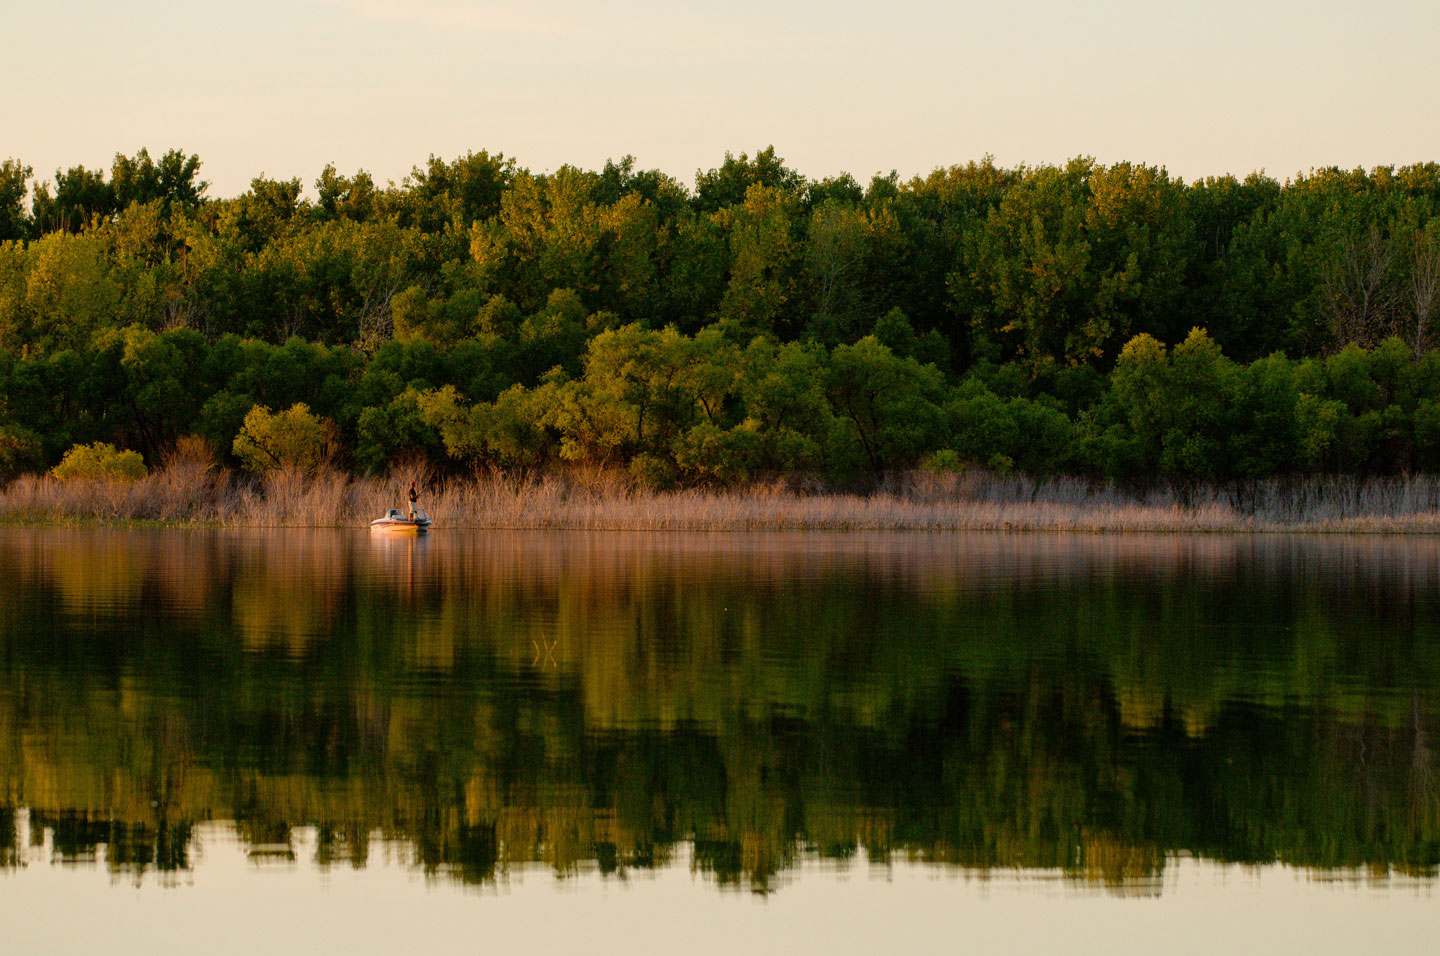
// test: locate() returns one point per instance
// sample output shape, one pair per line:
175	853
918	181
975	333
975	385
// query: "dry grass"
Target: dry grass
190	489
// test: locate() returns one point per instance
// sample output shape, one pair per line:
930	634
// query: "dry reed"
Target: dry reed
187	489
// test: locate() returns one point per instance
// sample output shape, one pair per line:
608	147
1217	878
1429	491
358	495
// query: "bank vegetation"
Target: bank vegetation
1068	346
187	490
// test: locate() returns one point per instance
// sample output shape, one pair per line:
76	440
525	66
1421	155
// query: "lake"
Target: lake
218	740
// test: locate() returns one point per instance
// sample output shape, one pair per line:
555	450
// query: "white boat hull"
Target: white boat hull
403	526
397	523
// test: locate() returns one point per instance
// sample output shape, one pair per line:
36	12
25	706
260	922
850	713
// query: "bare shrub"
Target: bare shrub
1359	297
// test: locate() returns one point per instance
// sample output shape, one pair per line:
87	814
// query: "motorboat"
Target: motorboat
397	522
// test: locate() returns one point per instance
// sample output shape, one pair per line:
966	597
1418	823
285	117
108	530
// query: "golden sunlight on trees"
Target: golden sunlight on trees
100	460
755	324
292	439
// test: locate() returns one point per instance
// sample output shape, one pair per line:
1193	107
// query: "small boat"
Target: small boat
395	521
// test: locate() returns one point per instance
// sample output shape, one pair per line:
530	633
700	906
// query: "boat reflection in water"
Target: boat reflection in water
1091	709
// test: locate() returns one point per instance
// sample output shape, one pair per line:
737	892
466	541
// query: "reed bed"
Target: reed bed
187	491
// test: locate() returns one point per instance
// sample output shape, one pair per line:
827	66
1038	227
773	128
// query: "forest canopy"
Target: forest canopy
1113	321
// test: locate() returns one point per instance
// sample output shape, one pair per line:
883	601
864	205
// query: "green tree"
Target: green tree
835	252
345	197
926	225
509	433
636	380
693	263
173	182
730	183
618	180
552	234
1194	414
783	396
20	450
267	211
48	395
293	439
554	337
14	187
70	292
466	190
395	432
148	384
82	198
765	260
334	281
14	314
1008	433
886	405
765	409
1072	262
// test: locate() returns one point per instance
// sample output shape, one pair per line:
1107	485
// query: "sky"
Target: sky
282	88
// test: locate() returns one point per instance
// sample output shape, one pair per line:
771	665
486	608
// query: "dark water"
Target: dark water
781	716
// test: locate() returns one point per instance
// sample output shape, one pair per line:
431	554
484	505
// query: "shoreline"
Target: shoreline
190	495
1396	529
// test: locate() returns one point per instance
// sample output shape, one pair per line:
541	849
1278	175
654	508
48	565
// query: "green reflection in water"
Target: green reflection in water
1087	704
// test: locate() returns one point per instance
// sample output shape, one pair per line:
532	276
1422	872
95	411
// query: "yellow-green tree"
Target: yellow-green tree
99	461
274	441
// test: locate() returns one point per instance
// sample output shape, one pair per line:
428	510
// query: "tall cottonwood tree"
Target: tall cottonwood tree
1424	287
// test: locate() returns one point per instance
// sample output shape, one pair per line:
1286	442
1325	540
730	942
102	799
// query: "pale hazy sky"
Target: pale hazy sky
284	87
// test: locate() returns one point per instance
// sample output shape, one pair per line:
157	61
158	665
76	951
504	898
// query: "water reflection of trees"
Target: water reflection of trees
1083	704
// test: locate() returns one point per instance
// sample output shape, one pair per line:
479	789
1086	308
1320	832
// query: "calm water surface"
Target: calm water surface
223	741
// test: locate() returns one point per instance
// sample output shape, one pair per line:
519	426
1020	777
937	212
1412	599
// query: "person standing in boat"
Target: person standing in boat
414	496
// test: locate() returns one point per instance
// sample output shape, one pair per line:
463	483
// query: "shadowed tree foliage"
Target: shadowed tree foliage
14	187
729	184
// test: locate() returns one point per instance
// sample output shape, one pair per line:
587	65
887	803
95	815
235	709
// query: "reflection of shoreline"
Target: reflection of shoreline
306	853
978	700
753	804
171	555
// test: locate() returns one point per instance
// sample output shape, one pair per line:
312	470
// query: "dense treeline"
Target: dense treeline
1112	321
